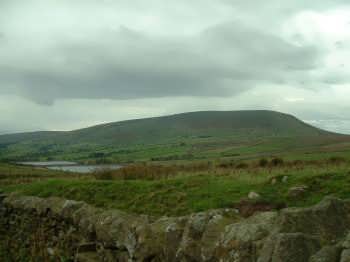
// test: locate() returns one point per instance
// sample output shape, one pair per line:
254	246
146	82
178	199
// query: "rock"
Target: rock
50	251
55	205
346	243
160	239
87	247
345	256
86	219
69	207
320	233
117	229
327	254
201	234
239	240
329	220
253	195
297	191
290	247
87	257
2	196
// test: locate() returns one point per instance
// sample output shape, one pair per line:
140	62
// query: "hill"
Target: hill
172	136
186	124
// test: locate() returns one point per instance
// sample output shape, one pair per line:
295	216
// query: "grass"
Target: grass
193	191
186	149
15	174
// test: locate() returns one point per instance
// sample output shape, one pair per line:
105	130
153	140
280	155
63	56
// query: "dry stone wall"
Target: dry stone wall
54	229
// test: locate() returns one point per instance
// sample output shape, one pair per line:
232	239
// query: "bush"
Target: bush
298	163
151	171
227	164
242	165
263	162
104	174
337	160
277	161
144	171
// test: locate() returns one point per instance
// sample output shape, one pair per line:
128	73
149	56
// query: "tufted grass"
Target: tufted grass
190	192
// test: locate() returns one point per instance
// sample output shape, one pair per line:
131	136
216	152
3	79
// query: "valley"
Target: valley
217	169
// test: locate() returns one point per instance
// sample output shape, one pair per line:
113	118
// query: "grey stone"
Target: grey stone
76	230
88	257
297	191
329	220
285	179
290	247
50	251
253	195
87	247
240	240
346	243
327	254
345	256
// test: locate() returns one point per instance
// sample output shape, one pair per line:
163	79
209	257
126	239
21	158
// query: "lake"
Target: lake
70	166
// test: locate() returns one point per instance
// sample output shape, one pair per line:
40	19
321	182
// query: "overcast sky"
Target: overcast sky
66	64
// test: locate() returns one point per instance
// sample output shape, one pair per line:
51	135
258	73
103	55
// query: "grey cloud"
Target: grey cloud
262	47
125	51
287	7
225	59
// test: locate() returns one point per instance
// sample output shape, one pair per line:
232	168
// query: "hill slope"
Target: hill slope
197	128
186	124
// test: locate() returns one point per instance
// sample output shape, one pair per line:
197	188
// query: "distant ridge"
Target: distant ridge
261	122
192	126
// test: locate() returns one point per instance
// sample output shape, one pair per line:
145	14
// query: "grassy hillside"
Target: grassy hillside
180	125
187	191
178	137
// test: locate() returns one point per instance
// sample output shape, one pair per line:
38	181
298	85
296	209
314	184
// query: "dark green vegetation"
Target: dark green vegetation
13	174
189	136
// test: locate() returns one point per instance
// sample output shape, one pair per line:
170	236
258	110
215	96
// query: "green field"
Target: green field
182	192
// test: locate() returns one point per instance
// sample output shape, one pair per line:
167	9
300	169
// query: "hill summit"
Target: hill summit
203	123
196	129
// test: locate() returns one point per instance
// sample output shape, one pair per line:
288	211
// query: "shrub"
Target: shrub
143	171
277	161
151	171
263	162
227	164
104	174
298	163
242	165
336	160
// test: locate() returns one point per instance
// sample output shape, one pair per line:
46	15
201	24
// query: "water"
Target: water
48	163
84	168
70	166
